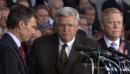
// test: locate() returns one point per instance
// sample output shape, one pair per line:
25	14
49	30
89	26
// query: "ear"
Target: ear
21	24
102	27
54	29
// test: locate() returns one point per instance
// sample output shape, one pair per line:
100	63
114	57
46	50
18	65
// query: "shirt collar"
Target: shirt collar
108	42
69	43
16	40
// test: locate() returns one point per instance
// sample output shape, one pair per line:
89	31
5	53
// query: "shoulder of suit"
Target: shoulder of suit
46	38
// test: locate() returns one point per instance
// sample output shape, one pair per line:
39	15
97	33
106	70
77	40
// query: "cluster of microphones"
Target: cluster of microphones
105	61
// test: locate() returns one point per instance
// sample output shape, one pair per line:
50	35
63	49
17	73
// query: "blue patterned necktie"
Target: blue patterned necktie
113	45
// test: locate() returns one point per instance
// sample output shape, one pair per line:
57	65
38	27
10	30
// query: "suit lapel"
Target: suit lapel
56	51
72	57
16	49
103	44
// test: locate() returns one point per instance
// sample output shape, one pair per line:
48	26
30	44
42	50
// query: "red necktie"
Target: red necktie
22	53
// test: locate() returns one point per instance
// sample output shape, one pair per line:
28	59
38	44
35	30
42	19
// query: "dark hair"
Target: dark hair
18	13
40	7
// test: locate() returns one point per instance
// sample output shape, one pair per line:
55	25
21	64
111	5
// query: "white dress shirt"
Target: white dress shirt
68	48
108	42
16	40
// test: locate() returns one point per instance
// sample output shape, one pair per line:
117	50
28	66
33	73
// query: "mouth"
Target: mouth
116	31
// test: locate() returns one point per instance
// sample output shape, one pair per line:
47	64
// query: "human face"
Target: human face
83	3
28	29
90	14
83	23
43	16
113	25
5	13
67	28
54	8
3	3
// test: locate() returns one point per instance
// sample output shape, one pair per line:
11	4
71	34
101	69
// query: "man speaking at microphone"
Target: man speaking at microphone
112	26
56	54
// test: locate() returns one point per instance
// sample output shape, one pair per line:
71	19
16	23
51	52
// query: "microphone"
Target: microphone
85	49
118	53
104	53
112	63
93	52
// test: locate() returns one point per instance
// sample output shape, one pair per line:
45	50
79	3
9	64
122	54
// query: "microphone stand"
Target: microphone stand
88	57
116	65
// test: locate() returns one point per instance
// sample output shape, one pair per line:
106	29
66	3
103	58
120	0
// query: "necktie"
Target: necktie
89	31
62	58
113	45
22	53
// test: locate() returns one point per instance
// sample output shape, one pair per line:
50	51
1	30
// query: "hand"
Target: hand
122	49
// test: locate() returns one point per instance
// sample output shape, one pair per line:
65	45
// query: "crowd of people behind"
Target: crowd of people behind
46	11
42	27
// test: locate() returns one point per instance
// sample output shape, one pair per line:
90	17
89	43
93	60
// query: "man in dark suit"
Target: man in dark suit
112	26
21	23
46	52
92	21
122	6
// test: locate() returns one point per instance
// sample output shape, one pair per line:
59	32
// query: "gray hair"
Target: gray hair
67	11
108	11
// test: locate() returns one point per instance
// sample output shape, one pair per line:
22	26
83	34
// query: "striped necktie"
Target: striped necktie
62	59
22	53
113	45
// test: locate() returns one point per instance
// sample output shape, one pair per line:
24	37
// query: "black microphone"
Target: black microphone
93	52
104	53
85	57
118	53
85	48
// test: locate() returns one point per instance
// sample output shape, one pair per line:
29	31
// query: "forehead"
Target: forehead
42	11
90	11
57	4
83	0
32	21
66	19
83	20
113	16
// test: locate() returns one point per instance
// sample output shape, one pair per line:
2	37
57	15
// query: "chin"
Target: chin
115	37
26	39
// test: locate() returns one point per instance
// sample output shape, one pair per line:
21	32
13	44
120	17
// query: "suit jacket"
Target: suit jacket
10	60
125	9
45	52
104	46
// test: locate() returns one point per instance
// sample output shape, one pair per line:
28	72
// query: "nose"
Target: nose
66	28
33	31
116	25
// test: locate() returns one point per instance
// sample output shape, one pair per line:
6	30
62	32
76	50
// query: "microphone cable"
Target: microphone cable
109	66
119	63
128	65
116	65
